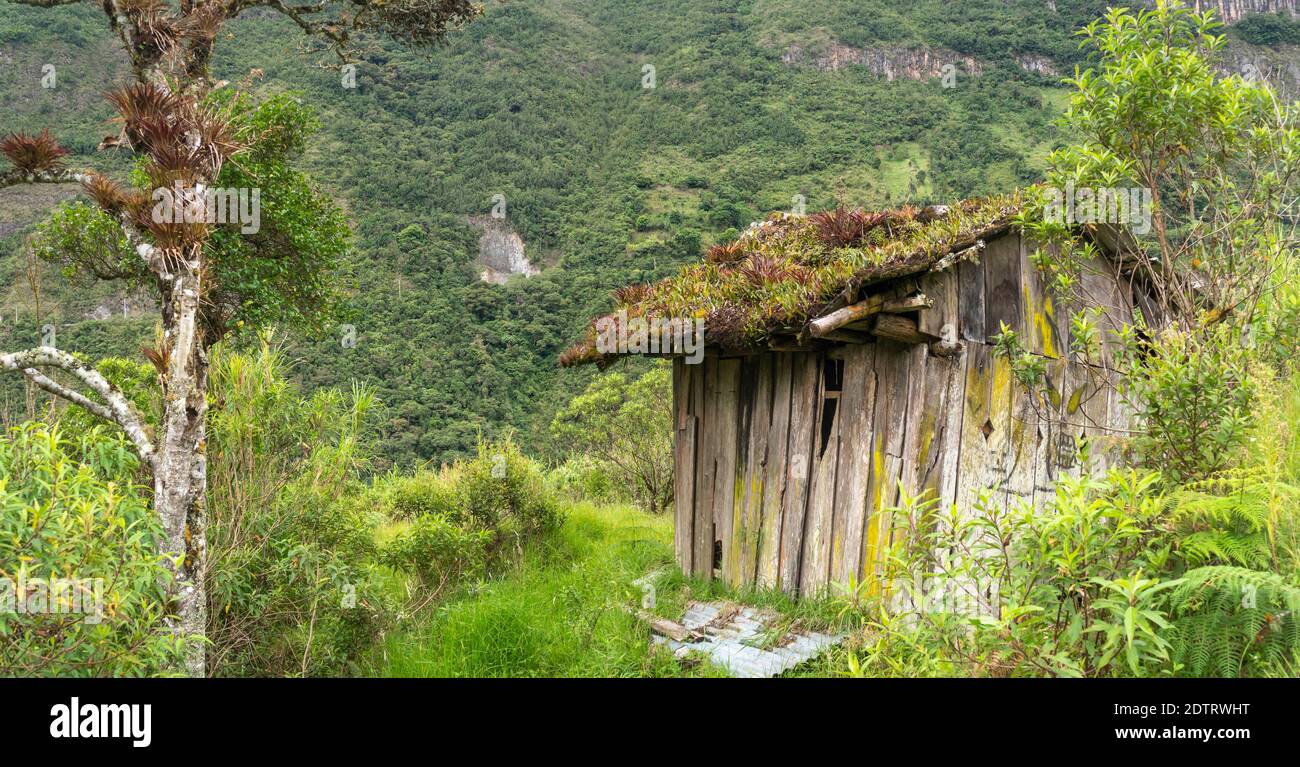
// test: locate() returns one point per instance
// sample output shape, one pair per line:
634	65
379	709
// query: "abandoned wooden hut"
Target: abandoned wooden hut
849	360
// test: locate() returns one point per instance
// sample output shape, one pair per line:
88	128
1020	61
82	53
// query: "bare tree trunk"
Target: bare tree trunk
180	467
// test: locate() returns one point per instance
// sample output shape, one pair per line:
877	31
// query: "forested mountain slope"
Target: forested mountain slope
615	137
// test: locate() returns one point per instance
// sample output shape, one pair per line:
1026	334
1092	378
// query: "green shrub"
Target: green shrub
78	538
582	478
1268	29
502	486
626	426
438	551
1114	577
466	517
426	493
1194	396
1230	621
1278	323
1230	518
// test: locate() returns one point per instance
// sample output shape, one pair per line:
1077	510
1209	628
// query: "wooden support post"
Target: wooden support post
912	303
841	317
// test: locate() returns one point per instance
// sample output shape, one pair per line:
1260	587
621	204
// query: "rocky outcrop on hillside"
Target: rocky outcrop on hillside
1041	64
1232	11
922	62
500	251
135	304
1280	66
887	61
917	62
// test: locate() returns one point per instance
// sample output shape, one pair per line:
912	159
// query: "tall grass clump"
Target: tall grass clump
293	585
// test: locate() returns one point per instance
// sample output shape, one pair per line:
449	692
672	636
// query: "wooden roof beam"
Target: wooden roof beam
896	327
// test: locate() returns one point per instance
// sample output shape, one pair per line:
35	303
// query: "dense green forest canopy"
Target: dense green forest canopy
541	111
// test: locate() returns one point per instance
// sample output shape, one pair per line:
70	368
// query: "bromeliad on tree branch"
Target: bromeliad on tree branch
180	125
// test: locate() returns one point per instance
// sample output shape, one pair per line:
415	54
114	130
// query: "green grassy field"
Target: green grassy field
564	610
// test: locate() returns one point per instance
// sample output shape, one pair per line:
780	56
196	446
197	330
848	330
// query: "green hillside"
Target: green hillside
756	105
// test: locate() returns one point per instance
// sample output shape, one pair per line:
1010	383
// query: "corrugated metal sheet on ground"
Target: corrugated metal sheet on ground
738	640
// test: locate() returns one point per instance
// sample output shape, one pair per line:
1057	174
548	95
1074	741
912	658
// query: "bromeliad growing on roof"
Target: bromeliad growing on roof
783	271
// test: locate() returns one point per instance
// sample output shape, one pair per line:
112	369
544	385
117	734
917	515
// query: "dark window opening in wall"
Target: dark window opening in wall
832	385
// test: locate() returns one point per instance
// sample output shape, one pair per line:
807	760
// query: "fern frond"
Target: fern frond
1229	619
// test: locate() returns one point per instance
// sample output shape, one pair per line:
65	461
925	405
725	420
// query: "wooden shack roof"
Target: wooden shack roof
783	272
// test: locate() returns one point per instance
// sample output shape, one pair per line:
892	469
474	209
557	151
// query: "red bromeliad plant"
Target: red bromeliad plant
33	155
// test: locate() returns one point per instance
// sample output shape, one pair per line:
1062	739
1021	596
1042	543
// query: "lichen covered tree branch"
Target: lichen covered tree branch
115	408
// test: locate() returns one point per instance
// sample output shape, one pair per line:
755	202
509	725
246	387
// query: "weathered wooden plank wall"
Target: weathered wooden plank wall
788	464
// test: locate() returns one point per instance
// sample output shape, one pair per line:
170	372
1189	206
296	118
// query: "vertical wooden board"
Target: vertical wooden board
1063	307
1028	426
726	432
705	381
1002	287
937	432
752	489
733	544
1000	400
931	439
1101	289
920	424
1056	444
1083	416
888	426
970	299
1120	416
775	471
972	474
680	415
1095	415
942	316
815	570
943	480
997	469
1043	328
975	453
1026	436
857	406
803	420
986	428
919	455
683	465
